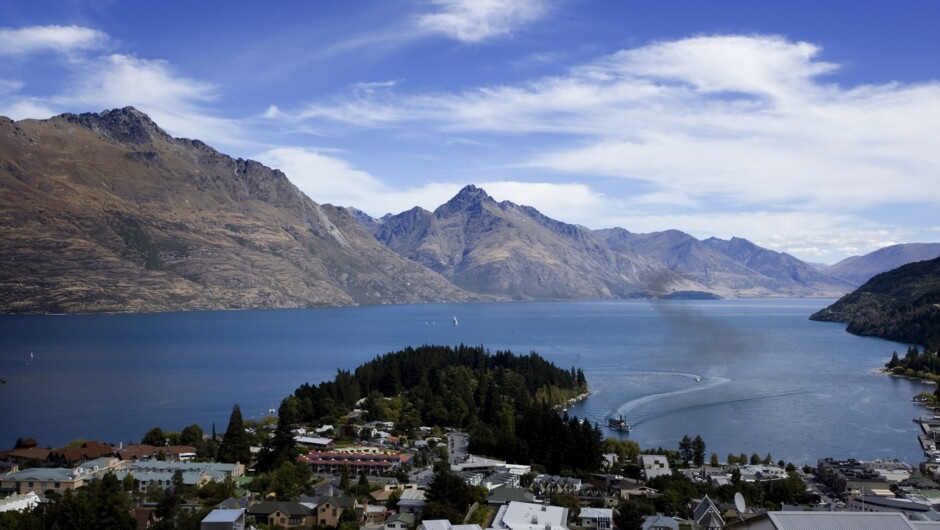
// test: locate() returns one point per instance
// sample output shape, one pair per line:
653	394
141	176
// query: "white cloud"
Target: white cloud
323	178
177	104
60	39
476	21
569	202
746	119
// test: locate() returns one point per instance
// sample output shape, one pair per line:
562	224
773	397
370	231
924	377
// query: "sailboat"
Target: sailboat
455	320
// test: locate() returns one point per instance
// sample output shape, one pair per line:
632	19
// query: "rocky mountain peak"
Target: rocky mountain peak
469	196
127	125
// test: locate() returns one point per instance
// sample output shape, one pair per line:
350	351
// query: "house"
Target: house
401	521
596	518
411	501
330	509
854	520
653	466
71	456
315	442
224	520
27	455
660	522
707	516
530	516
284	514
135	452
444	524
503	496
59	479
551	484
371	463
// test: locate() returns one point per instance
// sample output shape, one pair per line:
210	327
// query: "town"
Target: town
371	475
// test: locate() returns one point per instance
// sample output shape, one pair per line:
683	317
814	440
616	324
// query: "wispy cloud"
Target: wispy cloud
475	21
743	118
60	39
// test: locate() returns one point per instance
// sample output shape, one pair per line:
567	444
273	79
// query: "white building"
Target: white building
653	466
530	516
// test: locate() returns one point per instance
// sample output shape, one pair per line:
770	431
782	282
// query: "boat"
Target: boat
618	424
455	320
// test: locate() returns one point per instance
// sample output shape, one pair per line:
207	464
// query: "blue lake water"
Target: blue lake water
747	375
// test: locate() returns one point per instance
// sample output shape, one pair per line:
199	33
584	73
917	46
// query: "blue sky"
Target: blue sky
807	127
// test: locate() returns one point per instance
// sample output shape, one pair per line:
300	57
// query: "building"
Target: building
914	511
59	479
224	520
284	514
596	518
660	522
530	516
401	521
19	502
160	473
652	466
332	462
331	509
707	516
444	524
411	501
851	477
834	520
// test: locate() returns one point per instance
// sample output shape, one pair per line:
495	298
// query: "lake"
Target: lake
746	375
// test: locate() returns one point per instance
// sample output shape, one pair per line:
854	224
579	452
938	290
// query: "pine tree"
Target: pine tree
698	451
235	446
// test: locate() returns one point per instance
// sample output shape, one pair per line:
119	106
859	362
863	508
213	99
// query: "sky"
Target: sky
807	127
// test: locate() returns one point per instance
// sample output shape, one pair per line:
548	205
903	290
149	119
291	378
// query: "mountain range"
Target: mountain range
106	212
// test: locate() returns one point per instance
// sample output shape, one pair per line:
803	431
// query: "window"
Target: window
57	485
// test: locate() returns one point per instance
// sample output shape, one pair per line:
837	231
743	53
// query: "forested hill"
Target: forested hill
902	305
507	402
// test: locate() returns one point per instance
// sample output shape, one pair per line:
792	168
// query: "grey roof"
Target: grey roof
436	524
703	507
505	495
269	507
839	521
42	474
407	518
223	516
660	521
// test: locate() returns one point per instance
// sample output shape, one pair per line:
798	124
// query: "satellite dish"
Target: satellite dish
739	502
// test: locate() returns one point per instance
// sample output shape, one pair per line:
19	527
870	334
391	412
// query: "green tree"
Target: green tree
155	437
344	483
685	450
235	446
713	461
112	505
755	459
193	436
279	448
698	451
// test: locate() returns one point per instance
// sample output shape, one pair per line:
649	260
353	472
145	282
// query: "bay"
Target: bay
746	375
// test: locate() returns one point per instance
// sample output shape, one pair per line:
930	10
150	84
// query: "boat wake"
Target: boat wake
660	413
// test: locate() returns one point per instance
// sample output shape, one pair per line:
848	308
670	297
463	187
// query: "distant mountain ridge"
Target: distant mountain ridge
902	305
859	269
504	249
107	212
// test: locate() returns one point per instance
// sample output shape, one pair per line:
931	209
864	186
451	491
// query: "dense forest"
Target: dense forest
901	305
507	403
